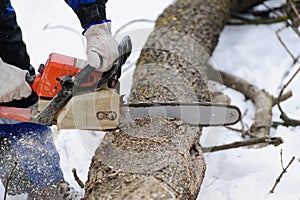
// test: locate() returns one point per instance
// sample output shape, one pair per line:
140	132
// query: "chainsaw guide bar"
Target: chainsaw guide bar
203	114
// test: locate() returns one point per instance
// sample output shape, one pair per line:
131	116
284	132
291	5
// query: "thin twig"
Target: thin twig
285	86
259	17
288	121
281	174
276	11
262	140
281	159
284	45
77	179
132	22
257	21
293	23
262	13
295	29
294	9
48	27
283	97
8	180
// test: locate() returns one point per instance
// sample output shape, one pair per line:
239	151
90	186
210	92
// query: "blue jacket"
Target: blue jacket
76	3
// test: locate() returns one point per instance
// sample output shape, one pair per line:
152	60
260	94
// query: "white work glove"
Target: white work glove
102	48
13	85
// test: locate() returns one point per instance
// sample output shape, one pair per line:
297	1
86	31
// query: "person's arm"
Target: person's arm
3	6
88	11
102	49
14	62
13	85
13	49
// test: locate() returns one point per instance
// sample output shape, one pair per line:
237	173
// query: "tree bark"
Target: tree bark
158	158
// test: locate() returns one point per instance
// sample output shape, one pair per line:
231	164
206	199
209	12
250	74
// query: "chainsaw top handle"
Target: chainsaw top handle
89	79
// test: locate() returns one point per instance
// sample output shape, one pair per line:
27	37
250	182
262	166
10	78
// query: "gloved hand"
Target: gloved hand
102	48
12	83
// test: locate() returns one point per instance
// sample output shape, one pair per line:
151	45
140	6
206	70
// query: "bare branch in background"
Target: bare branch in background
287	121
295	17
77	179
262	100
255	141
282	98
238	20
284	170
48	26
258	17
132	22
284	45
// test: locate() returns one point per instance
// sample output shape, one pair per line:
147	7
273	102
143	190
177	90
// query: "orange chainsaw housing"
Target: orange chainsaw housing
46	84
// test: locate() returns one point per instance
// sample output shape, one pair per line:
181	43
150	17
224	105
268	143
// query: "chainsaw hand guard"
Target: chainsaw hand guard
86	80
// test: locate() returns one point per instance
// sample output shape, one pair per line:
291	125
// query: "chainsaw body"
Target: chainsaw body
94	110
47	83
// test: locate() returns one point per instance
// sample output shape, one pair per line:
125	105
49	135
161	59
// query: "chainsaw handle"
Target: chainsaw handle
29	78
89	79
125	47
86	79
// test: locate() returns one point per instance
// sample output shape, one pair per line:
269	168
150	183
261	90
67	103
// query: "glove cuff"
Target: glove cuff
95	23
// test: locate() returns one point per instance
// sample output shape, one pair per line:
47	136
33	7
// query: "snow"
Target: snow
251	52
255	54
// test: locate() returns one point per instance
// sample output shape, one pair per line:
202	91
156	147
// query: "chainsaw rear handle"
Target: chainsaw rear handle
29	78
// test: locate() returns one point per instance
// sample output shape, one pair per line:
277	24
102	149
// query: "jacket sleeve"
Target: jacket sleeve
88	11
3	6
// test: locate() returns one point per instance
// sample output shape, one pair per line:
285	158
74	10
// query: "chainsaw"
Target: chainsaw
76	97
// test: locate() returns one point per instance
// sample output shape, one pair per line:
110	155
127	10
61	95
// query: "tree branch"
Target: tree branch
77	179
284	170
262	100
287	121
240	22
263	140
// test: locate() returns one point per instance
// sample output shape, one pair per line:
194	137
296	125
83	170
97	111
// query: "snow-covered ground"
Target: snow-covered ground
251	52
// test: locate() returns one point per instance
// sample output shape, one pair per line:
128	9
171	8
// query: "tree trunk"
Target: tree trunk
158	158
